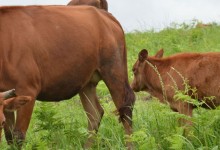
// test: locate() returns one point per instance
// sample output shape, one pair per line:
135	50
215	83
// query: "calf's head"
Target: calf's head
140	70
9	102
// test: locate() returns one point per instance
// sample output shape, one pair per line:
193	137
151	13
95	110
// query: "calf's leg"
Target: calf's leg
93	110
186	109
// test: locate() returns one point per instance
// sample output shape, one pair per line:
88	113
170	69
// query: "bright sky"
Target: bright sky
148	14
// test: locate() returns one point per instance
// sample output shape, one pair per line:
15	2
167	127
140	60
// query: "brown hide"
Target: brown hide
55	52
200	69
102	4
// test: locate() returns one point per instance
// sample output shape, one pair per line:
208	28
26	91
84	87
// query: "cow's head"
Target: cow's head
102	4
139	70
9	102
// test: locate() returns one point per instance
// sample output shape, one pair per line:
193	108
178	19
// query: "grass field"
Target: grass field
63	125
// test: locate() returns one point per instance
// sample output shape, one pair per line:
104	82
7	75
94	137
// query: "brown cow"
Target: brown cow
102	4
203	25
52	53
201	71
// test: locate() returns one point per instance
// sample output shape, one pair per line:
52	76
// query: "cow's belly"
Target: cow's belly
66	88
61	90
54	94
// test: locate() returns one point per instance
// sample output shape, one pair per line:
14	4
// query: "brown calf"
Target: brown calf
201	71
102	4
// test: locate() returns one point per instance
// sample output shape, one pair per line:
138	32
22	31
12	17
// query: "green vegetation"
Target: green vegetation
63	125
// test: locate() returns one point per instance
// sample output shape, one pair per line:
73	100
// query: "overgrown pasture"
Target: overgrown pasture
63	125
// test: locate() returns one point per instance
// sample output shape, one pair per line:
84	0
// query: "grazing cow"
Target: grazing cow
203	25
102	4
200	69
52	53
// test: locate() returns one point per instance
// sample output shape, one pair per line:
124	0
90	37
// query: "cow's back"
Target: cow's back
57	47
203	74
200	70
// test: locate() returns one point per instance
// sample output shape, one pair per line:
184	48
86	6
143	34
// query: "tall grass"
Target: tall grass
63	125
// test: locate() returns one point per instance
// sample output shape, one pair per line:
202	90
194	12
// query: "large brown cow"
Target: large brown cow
51	53
200	69
102	4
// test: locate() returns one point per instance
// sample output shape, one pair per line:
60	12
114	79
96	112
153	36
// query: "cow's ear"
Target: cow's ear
15	103
159	54
142	55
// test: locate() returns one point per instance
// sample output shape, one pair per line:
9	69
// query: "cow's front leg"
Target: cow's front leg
22	121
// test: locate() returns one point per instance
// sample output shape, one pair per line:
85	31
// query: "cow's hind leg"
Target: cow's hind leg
123	96
93	109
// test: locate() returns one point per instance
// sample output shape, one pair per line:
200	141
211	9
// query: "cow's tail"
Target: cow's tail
125	111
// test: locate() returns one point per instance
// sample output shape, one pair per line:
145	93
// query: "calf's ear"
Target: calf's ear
159	54
142	55
15	103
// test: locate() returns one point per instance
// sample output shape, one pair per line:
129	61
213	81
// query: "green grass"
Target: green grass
63	125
